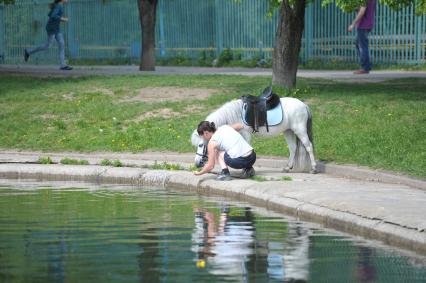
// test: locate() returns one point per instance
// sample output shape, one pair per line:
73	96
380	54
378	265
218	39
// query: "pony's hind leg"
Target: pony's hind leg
310	149
291	139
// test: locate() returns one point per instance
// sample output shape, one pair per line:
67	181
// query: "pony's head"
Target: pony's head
201	153
229	113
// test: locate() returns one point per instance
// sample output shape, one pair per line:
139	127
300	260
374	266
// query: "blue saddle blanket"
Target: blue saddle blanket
274	116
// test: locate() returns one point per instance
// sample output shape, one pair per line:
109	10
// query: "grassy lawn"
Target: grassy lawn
380	125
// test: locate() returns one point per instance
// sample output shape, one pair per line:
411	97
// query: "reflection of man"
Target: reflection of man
363	22
289	261
366	271
226	244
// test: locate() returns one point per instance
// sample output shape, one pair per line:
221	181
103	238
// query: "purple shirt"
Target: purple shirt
367	21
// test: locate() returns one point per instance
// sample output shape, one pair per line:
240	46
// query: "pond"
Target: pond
85	233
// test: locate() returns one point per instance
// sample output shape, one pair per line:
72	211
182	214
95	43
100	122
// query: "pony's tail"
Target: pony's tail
309	128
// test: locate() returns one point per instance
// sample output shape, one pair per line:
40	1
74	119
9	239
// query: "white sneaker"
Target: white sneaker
223	177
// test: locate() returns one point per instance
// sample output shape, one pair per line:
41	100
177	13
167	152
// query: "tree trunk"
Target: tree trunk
147	17
288	40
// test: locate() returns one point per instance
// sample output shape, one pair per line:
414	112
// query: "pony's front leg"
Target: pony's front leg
291	139
246	134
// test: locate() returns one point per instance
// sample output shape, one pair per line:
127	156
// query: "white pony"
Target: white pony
296	127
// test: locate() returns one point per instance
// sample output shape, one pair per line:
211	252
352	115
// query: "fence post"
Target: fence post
161	28
2	46
219	27
417	40
309	22
72	45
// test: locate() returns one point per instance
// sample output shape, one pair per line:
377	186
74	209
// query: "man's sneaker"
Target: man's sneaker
361	72
247	173
26	55
223	177
66	68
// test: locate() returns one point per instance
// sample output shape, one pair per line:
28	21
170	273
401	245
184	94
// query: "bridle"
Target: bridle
204	155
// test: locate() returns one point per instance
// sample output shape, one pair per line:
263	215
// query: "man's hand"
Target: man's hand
64	19
350	27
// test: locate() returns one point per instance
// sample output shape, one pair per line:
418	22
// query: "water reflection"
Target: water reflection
226	245
296	253
365	271
56	259
152	235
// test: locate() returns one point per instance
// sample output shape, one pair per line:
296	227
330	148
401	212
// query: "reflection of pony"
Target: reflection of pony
296	127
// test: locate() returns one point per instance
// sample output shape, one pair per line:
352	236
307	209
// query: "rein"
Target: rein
204	154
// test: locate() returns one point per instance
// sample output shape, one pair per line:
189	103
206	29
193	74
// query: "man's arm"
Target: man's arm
358	17
237	126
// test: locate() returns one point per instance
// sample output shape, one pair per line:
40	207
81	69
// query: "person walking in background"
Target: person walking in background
363	22
53	32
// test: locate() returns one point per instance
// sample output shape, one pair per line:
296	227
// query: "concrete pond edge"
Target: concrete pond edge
248	190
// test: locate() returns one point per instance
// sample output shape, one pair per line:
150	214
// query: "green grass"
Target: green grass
70	161
380	125
237	61
45	160
258	178
114	163
166	166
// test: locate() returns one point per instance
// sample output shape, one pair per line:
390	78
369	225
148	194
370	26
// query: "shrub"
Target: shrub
225	57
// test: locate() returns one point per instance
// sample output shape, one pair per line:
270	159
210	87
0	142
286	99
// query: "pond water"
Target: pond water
80	233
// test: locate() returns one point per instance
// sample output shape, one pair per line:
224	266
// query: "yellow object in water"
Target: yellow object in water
201	263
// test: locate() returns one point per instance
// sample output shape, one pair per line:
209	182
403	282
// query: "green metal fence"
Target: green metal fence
192	28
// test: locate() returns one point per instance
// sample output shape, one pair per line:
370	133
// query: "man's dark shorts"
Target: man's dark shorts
240	162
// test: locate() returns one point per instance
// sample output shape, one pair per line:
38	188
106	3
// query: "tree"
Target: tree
288	37
147	17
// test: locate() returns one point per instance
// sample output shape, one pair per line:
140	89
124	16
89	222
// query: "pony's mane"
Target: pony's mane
227	114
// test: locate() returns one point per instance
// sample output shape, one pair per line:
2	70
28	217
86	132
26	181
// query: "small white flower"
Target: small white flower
114	119
101	130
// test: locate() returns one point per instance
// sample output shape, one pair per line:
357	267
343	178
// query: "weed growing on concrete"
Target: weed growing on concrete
192	168
166	166
70	161
45	160
286	178
259	178
114	163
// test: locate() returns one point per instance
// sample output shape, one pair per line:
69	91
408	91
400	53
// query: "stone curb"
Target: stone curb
249	190
345	171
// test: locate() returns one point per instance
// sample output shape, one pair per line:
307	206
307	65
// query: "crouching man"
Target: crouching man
229	148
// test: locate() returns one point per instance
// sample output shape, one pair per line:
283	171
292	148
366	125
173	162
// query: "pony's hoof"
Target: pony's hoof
286	170
313	171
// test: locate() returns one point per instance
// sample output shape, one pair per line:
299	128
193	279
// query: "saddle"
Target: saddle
262	110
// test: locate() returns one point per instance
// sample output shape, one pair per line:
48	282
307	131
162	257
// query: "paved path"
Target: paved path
391	212
345	76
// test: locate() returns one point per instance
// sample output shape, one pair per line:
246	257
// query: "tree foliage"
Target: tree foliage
351	5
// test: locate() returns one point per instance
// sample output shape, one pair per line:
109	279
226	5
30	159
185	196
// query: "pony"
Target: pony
296	126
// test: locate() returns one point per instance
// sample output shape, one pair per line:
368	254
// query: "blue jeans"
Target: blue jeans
361	45
240	162
61	45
